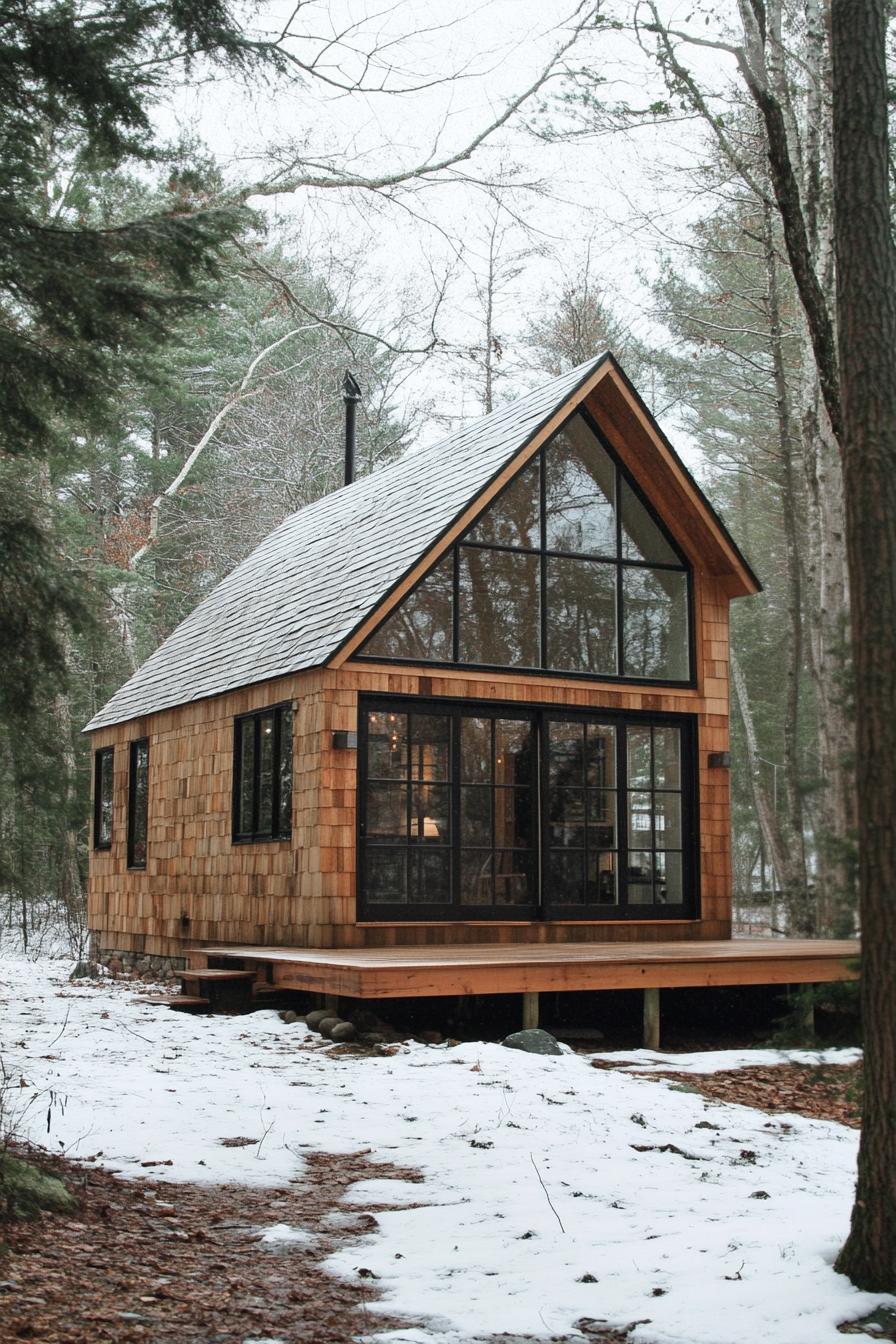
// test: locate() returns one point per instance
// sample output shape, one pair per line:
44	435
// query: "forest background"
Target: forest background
207	213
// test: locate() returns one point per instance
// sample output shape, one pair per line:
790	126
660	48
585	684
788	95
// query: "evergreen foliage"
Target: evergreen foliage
82	301
39	594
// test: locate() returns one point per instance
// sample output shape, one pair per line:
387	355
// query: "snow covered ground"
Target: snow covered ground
552	1191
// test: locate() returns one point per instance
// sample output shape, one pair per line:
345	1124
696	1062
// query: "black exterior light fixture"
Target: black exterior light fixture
344	740
720	760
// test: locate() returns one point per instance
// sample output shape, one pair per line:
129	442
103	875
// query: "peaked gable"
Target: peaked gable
566	570
313	590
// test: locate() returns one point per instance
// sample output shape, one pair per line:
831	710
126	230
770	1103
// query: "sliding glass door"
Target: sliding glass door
448	812
491	811
619	818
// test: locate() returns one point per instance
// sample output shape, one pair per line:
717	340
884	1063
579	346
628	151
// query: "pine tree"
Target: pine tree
82	301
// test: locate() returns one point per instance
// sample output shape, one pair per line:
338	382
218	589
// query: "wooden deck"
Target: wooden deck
418	972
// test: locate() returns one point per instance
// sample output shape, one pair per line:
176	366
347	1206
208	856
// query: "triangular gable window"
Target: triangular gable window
567	570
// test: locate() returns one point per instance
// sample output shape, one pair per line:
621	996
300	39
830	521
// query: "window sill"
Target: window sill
392	923
260	839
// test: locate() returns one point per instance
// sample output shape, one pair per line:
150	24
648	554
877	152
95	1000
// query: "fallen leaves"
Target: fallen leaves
142	1261
817	1091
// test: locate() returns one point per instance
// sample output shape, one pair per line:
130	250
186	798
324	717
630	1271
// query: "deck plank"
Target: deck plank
417	972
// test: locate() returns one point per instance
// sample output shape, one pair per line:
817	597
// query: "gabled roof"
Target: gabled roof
298	598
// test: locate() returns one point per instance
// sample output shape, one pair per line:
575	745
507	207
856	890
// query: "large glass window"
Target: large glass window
103	781
499	596
407	825
496	810
497	818
138	803
262	775
567	570
583	841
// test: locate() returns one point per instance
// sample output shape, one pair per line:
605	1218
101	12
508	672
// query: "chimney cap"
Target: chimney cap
351	390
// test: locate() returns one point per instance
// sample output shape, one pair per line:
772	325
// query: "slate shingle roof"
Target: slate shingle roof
295	600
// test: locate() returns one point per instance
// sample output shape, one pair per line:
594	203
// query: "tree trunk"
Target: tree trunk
785	862
829	662
69	885
866	305
789	510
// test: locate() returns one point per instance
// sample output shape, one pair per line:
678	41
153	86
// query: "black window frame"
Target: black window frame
618	561
101	755
542	910
133	750
275	832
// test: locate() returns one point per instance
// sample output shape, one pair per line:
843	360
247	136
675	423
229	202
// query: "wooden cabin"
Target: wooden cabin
478	697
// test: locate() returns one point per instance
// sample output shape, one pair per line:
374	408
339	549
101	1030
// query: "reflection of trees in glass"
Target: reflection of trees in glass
655	836
499	607
407	809
581	806
421	627
285	773
575	559
641	537
655	623
138	804
104	794
581	601
263	748
580	493
514	518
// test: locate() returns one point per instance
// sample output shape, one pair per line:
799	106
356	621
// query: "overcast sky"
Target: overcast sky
620	193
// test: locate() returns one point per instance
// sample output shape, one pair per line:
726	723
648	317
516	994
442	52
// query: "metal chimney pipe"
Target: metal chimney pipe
351	395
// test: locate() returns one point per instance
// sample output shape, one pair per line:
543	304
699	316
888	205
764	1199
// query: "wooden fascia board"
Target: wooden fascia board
463	521
627	423
612	694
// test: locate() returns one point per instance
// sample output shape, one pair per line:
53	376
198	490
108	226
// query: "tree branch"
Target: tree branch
241	394
287	182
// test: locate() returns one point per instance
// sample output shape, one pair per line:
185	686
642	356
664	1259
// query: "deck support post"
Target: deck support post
331	1003
530	1011
805	1012
651	1019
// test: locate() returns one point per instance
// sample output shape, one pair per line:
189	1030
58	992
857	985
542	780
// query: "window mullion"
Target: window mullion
455	776
543	560
620	646
541	803
622	810
455	604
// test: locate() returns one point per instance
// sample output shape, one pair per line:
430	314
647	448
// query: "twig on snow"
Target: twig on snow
546	1195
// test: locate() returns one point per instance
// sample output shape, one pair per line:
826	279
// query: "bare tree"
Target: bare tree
774	139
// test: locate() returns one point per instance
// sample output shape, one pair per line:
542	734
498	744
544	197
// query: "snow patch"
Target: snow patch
551	1190
387	1192
282	1234
720	1061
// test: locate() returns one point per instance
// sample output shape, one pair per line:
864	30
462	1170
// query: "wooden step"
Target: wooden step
184	1003
219	976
